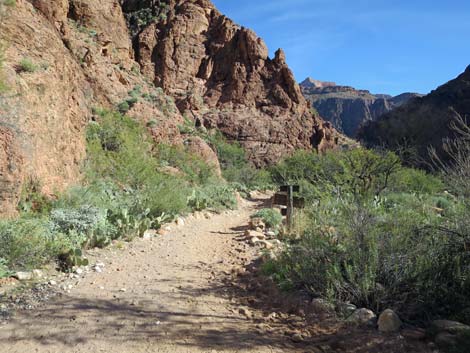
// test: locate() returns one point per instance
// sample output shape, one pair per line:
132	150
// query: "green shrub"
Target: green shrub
86	226
32	200
27	65
123	107
27	243
4	270
359	172
271	217
414	180
215	196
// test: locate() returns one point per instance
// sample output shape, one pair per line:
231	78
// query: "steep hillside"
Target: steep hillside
348	108
65	57
422	122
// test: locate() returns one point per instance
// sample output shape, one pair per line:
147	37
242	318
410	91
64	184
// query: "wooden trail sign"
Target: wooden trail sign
286	198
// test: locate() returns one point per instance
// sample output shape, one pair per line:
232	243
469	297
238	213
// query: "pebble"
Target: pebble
254	241
297	337
38	274
245	312
149	234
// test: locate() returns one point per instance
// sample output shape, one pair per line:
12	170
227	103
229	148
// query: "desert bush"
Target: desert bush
235	166
27	243
85	226
27	65
271	217
32	200
415	180
359	172
212	196
377	235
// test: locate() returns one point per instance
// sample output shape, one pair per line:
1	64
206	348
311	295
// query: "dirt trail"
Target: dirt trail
176	293
165	294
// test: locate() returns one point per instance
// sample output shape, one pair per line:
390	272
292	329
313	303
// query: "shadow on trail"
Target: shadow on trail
73	321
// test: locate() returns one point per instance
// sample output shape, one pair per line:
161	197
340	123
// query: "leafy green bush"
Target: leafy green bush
358	172
271	217
415	180
195	170
4	270
27	65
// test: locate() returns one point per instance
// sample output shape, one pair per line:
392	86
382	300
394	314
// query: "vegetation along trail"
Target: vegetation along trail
164	294
185	291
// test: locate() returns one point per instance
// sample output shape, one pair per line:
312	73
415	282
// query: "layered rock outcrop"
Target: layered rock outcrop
220	74
422	122
348	108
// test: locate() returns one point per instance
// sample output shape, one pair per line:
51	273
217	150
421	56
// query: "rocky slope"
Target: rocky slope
220	74
65	57
422	122
348	108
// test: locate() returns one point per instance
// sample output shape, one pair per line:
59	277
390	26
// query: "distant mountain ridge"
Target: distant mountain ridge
348	108
422	122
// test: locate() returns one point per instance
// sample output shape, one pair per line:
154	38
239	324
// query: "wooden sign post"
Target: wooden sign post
286	198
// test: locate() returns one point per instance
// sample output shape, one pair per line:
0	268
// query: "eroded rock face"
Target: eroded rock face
46	108
348	108
80	62
220	73
11	165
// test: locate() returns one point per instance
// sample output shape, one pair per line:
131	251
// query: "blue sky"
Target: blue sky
383	46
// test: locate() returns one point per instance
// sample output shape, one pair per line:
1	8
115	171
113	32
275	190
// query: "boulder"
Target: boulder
23	276
389	321
453	327
320	305
362	316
